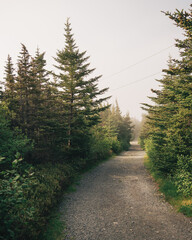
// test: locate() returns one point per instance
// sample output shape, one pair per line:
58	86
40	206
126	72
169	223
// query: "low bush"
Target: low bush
14	209
177	188
169	189
100	144
186	209
116	146
183	175
27	194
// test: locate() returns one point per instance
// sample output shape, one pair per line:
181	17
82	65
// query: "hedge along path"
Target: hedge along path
118	200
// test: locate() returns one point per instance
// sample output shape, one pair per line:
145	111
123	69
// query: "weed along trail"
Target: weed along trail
119	201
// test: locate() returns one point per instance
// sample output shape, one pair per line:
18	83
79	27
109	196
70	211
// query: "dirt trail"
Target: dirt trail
119	201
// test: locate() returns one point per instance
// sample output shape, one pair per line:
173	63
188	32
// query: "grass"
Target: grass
75	182
55	227
169	189
186	210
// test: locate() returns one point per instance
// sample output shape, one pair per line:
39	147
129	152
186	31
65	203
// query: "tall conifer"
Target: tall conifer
171	116
9	95
23	88
79	92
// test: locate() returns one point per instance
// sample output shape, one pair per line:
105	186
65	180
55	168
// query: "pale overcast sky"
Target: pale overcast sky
115	33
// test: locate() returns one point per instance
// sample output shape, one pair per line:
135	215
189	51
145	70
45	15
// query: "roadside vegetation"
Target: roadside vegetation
53	125
166	134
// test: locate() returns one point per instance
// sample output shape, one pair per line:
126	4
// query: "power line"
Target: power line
142	60
138	80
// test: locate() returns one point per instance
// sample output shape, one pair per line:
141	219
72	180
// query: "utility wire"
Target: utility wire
132	65
139	80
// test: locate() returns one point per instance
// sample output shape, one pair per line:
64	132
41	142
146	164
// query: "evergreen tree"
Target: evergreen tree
12	141
9	95
170	117
38	95
136	128
9	80
125	131
117	125
123	126
78	93
23	89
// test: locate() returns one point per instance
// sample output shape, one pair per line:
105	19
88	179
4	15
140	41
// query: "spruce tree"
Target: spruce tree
23	88
78	93
170	116
9	94
9	79
38	95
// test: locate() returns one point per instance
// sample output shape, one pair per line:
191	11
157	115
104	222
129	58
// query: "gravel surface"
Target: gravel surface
118	200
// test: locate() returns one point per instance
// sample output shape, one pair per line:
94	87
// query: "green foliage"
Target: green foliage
116	145
79	95
119	128
54	229
136	129
101	143
169	186
168	122
60	126
183	175
166	184
144	132
14	209
169	189
187	210
27	196
167	131
11	141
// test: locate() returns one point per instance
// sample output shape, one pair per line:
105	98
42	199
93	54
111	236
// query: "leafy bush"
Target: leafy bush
169	188
11	141
183	175
116	145
14	208
100	144
100	149
187	210
26	196
163	158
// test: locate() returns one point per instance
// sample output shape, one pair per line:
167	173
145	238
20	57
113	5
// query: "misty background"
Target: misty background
128	41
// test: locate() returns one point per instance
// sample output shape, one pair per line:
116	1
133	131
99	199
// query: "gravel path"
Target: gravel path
119	201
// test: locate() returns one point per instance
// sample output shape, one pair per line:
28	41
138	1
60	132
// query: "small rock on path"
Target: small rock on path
119	201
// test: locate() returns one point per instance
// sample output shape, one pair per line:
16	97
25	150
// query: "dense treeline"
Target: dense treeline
137	128
167	132
52	125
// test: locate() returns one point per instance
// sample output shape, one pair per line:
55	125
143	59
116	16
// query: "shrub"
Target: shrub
14	208
116	145
100	144
12	141
183	175
187	210
27	195
100	149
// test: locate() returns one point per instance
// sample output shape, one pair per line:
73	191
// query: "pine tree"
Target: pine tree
126	131
9	95
117	125
34	109
170	118
23	88
78	92
123	126
9	79
38	95
160	121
